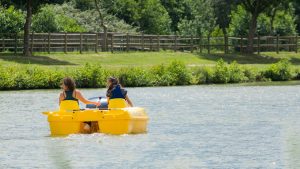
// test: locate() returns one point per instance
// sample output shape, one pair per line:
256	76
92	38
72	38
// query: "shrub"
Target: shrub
90	76
280	71
134	77
236	73
179	73
297	74
250	74
221	72
204	75
176	73
161	76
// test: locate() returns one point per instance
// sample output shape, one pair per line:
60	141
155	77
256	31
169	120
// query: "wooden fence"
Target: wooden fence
84	42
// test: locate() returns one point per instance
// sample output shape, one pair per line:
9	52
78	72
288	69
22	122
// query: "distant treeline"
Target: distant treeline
183	17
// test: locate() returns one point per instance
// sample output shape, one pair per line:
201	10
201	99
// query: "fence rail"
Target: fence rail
83	42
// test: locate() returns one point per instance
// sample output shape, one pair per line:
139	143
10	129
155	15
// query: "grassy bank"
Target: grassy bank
19	76
144	59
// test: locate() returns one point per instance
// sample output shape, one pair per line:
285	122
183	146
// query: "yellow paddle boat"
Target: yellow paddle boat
116	118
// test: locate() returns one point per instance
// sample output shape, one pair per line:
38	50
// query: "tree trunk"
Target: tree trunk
252	31
273	14
225	40
26	50
104	44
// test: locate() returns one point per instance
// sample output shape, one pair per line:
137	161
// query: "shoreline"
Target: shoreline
248	84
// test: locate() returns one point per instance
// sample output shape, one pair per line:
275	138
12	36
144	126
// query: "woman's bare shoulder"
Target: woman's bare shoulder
61	94
77	92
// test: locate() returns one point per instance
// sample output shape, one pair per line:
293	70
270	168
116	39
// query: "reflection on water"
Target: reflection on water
190	127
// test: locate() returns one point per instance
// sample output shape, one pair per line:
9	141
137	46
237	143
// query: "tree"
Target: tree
177	10
283	22
102	24
11	20
149	15
49	20
154	17
222	10
255	8
202	20
297	12
30	6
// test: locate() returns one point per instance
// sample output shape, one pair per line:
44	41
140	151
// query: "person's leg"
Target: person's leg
94	127
86	128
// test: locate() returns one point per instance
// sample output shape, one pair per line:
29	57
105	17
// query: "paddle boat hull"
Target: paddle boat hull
131	120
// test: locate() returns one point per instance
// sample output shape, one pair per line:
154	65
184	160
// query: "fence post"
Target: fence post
226	44
127	42
31	45
241	44
97	42
277	43
258	44
296	42
3	43
65	43
80	47
192	44
112	42
175	46
289	44
200	43
158	42
151	41
208	44
16	42
143	42
49	35
44	44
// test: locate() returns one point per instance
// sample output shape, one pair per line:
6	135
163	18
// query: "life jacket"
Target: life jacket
117	98
118	93
69	103
69	95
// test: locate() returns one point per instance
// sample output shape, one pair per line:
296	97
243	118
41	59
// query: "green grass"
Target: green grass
144	59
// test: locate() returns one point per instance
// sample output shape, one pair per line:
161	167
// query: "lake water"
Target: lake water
190	127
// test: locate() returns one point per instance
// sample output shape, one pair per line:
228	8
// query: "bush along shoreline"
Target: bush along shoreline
173	74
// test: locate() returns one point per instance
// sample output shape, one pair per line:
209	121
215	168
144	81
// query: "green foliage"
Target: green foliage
177	10
47	20
236	73
132	77
154	18
90	76
280	71
283	24
175	73
200	23
67	24
179	73
161	76
251	75
84	5
89	19
221	72
203	75
149	15
11	20
239	25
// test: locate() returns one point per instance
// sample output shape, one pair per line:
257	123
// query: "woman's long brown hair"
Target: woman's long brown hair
69	83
